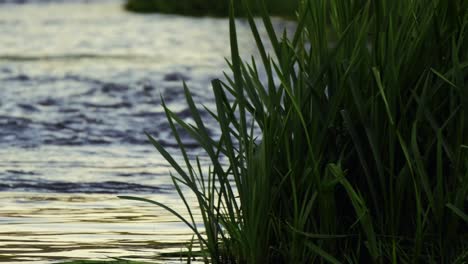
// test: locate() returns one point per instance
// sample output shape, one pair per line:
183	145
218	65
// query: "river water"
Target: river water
80	83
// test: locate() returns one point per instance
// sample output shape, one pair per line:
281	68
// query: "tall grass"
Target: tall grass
362	155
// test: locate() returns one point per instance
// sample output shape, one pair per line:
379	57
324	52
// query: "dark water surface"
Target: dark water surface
80	82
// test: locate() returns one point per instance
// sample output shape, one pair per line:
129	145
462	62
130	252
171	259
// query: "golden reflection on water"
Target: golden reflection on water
42	228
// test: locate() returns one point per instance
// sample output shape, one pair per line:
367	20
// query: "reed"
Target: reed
353	150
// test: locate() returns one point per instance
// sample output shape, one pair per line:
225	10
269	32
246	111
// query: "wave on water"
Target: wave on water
68	57
51	1
105	187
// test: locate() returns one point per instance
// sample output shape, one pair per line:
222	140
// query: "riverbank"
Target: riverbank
211	8
104	262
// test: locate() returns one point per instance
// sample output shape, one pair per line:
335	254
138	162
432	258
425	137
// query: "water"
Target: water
80	83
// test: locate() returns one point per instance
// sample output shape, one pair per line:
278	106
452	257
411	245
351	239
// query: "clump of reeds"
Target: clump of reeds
362	155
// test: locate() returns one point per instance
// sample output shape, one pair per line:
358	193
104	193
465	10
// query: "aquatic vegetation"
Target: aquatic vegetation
354	149
204	7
